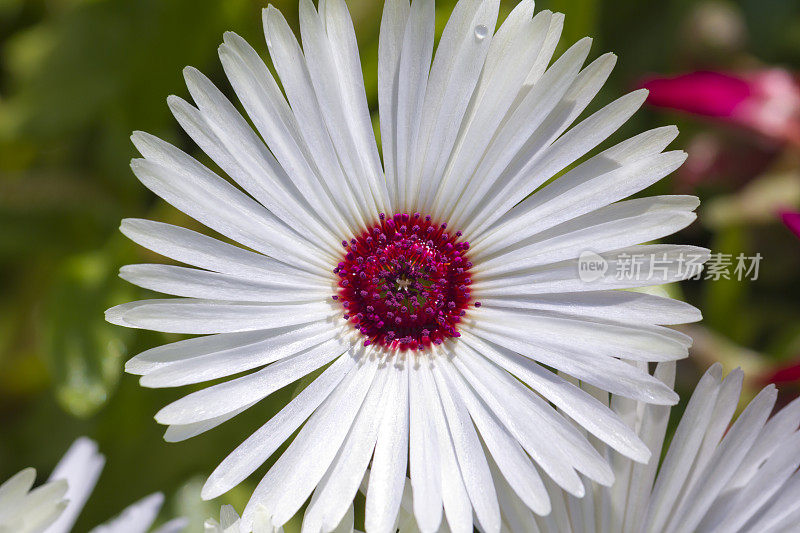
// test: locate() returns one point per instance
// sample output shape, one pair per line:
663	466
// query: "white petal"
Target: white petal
516	514
232	395
388	473
516	172
424	462
457	506
727	402
629	412
518	128
220	206
193	283
588	412
295	474
203	316
254	451
390	43
471	459
686	441
782	514
779	428
616	226
199	347
412	82
182	432
652	430
541	165
636	266
771	477
206	358
38	508
344	47
527	217
530	409
592	336
490	386
136	518
456	68
274	119
618	306
346	525
259	173
511	459
332	58
290	64
607	373
15	488
546	53
559	519
726	458
80	468
335	492
199	250
511	55
176	525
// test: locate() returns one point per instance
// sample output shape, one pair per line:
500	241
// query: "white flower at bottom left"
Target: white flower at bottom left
54	506
230	522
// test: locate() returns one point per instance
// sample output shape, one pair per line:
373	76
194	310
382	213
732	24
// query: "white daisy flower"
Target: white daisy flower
230	522
432	290
139	518
23	510
54	507
715	477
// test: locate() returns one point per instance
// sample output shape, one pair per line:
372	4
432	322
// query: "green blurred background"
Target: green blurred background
77	76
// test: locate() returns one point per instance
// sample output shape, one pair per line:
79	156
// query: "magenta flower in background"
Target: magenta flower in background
786	374
792	221
765	101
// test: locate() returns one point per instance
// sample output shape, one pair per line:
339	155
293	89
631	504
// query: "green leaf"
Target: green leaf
83	352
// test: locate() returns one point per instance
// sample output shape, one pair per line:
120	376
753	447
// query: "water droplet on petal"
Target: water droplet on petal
481	32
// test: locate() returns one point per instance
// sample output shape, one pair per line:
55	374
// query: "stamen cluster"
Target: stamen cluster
404	282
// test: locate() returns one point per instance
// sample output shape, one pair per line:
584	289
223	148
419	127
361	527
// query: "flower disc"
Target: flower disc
404	282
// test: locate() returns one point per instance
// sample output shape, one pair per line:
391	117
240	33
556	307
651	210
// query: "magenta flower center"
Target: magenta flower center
404	282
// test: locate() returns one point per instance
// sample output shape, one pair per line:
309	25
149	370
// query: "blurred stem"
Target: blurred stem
723	296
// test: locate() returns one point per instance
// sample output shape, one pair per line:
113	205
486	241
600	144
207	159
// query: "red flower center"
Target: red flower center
404	282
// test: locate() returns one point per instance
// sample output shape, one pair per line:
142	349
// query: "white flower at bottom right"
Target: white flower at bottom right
715	476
